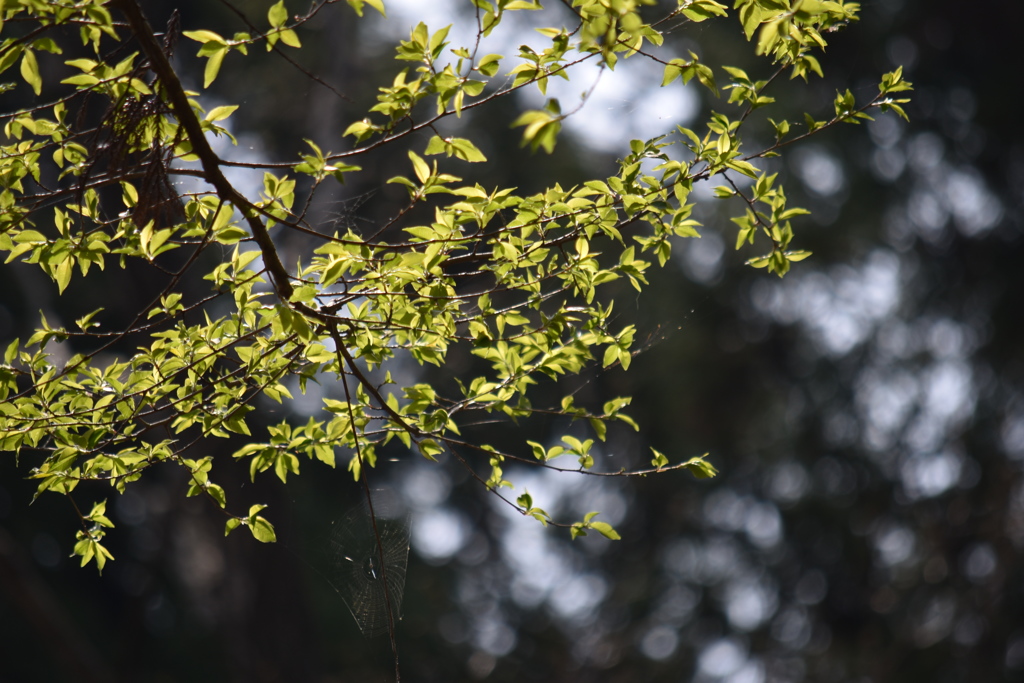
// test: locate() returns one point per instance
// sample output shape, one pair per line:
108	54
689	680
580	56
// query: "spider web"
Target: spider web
355	562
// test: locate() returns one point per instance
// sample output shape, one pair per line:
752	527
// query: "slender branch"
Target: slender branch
304	71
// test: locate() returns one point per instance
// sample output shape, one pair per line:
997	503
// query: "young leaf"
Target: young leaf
701	468
606	530
30	71
277	15
659	460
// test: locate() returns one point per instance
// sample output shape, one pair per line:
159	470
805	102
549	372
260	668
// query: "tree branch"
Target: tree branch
211	163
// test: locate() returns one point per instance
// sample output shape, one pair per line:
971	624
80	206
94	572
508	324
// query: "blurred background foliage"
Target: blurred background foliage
866	414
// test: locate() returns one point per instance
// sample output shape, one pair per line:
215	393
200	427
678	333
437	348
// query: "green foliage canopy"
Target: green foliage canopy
514	279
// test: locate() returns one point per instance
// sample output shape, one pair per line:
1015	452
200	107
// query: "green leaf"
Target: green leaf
768	37
542	128
12	351
706	77
289	38
659	459
700	468
537	450
673	70
213	66
437	145
262	530
797	255
357	5
221	113
90	548
467	151
30	71
430	449
205	37
277	15
606	530
751	15
85	322
9	57
488	64
98	514
63	272
700	10
217	493
419	166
